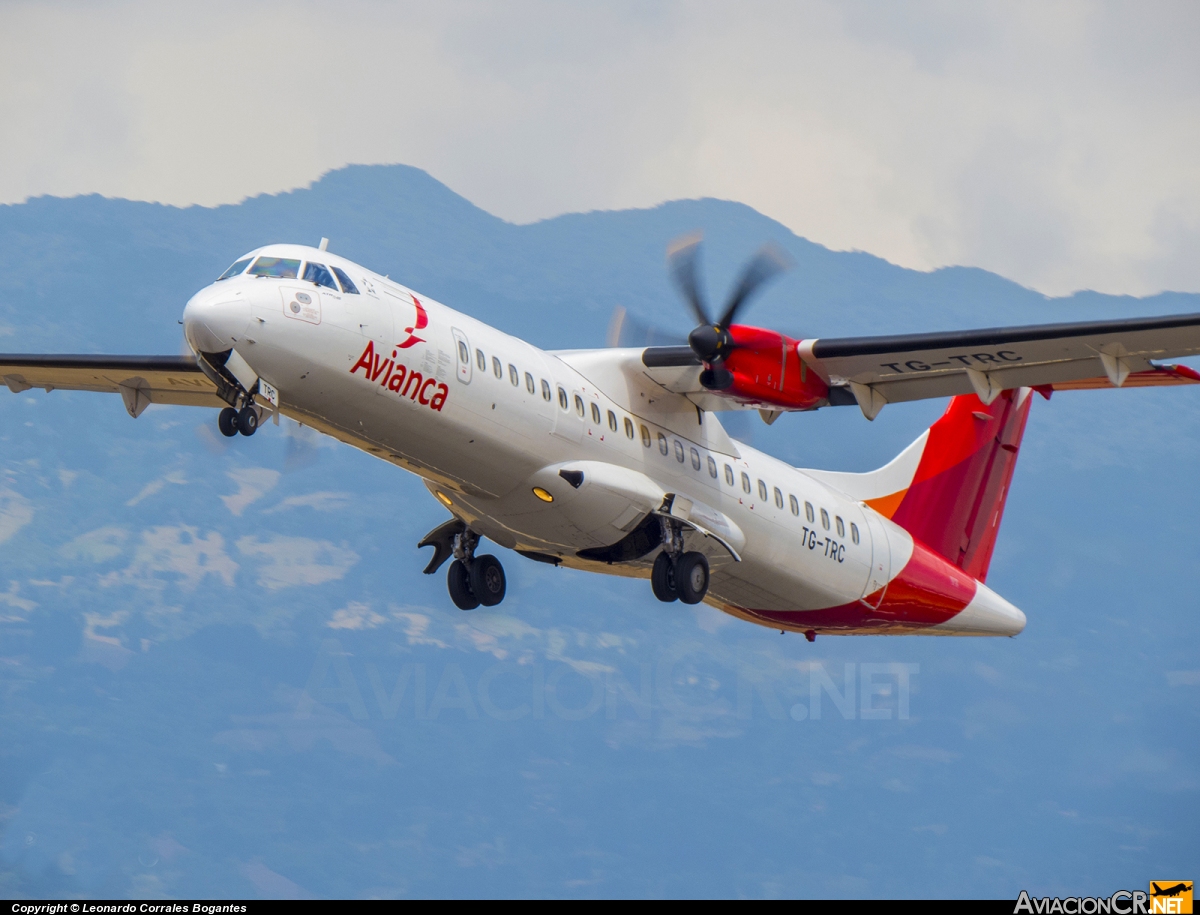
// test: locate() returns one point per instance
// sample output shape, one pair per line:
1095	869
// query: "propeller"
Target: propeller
711	341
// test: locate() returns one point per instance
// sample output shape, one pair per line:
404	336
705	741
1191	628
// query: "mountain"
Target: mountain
224	675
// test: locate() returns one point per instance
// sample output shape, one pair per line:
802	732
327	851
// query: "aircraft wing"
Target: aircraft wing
140	380
919	366
872	371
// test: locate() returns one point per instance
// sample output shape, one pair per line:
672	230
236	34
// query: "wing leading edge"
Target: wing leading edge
894	369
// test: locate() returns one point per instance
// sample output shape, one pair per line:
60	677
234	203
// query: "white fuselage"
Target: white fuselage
484	417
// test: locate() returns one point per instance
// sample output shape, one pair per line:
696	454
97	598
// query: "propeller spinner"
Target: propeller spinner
711	341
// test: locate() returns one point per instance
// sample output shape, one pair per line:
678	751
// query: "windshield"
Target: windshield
284	267
235	269
316	273
347	286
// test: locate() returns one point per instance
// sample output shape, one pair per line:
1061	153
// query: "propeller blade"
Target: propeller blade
766	264
625	329
682	255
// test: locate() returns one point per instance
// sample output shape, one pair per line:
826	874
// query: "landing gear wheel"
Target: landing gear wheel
487	580
458	583
227	422
691	577
247	420
662	579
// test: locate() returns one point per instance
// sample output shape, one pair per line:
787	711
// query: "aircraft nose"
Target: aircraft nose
215	318
987	614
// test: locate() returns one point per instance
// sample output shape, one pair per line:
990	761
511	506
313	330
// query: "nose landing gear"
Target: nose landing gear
678	575
474	580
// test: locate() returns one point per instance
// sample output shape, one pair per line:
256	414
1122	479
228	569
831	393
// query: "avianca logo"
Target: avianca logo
396	377
422	322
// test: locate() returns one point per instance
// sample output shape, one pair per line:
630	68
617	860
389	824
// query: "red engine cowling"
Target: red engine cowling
767	372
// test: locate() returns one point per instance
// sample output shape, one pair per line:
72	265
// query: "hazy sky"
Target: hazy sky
1057	144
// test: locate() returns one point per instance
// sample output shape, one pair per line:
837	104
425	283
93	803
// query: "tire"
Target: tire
227	422
662	579
487	580
458	583
691	577
247	420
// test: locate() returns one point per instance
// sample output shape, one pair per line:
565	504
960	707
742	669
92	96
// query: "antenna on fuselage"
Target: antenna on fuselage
324	245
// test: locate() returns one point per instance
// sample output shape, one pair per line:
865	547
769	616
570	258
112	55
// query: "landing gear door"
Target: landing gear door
881	560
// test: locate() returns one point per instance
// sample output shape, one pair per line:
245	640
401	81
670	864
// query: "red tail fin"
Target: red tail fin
956	498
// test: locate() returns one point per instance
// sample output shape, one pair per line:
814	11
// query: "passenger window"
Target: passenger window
562	398
497	368
319	276
808	512
824	519
546	390
481	360
762	490
854	532
595	413
530	384
347	285
679	451
712	467
612	420
695	459
628	427
662	444
281	267
841	528
514	376
645	436
579	407
745	482
464	354
728	474
235	269
794	505
778	498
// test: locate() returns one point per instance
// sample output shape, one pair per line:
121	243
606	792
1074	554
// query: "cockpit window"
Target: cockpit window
283	267
347	285
235	269
316	273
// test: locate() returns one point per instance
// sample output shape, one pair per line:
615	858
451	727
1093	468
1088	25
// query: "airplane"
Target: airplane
1177	889
614	460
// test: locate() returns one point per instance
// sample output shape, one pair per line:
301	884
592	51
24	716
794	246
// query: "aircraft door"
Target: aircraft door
881	560
462	348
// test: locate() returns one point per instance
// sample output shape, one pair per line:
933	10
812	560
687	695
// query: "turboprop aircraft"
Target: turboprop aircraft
614	460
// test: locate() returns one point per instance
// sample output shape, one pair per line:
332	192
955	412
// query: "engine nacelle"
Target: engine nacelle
765	370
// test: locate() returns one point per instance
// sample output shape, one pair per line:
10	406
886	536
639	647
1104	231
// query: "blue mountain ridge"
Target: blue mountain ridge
224	675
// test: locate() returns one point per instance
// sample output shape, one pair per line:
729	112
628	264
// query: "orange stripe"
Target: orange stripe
887	505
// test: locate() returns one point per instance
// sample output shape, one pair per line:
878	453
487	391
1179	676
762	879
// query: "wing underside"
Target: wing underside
140	380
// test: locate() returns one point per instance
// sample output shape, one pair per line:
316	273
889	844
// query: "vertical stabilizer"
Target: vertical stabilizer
948	488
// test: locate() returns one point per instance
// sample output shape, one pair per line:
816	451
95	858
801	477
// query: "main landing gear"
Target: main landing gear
231	421
678	575
473	580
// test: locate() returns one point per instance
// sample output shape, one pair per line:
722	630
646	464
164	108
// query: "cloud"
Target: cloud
284	562
253	484
156	486
355	616
15	512
12	599
182	552
99	545
1183	677
1050	142
320	501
